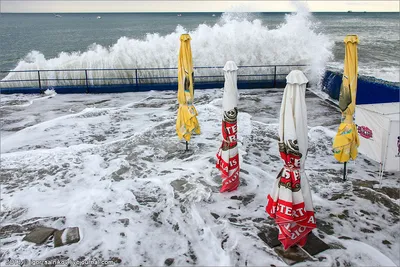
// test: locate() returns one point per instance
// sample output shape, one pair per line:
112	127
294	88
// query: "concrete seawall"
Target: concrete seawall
369	90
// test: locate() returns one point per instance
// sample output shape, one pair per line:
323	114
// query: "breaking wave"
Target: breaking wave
236	36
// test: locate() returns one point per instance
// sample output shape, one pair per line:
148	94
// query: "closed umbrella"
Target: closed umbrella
228	155
346	141
186	121
290	202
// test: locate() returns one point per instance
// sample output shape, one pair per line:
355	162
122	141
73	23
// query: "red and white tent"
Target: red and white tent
290	202
228	154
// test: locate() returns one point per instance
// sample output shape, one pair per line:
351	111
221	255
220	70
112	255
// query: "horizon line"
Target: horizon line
139	12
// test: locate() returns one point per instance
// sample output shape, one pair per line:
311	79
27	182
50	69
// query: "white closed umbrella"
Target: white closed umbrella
290	202
228	155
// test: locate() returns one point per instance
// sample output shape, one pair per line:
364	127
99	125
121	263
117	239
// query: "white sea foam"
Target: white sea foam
236	36
391	73
116	157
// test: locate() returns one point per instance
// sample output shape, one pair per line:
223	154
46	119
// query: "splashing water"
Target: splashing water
237	37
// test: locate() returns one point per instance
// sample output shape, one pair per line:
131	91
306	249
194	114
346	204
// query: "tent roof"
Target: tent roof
391	110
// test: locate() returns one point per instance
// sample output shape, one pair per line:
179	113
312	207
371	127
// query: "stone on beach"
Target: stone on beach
39	235
66	236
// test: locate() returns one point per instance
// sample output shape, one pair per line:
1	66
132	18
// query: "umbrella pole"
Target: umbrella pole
187	146
344	172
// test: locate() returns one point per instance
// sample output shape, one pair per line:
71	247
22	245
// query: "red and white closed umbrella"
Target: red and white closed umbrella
290	202
228	154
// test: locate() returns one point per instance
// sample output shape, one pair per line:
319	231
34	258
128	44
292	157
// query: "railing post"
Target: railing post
40	83
136	77
87	85
275	76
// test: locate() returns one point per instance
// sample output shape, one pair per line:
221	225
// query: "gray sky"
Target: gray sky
55	6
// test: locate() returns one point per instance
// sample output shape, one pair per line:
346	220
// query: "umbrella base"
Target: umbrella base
293	254
187	150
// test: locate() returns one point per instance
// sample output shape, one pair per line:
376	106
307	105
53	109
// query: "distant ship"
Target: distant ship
98	17
57	16
213	15
179	15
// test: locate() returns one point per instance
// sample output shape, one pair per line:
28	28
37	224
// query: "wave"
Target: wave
236	36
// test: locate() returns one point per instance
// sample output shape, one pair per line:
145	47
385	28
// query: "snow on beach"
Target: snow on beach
113	166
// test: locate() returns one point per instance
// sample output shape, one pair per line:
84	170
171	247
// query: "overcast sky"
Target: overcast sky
56	6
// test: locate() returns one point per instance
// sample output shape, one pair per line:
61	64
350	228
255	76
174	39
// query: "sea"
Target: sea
131	40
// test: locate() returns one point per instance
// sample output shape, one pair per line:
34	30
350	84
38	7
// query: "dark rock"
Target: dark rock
365	230
345	237
143	200
365	212
66	236
270	237
377	228
258	220
314	245
244	171
155	217
336	196
248	199
169	261
325	227
232	219
117	176
364	183
386	242
344	215
129	206
124	221
7	230
39	235
216	216
116	259
183	209
390	192
224	241
97	208
337	245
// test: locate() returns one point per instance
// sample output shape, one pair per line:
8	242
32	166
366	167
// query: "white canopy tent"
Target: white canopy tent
379	131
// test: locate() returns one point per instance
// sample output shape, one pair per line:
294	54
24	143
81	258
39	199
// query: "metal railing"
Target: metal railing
136	77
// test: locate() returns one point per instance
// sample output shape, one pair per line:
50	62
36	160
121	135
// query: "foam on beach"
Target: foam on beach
113	166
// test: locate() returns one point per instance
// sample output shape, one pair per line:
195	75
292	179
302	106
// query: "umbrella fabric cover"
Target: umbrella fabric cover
346	141
290	202
186	121
228	155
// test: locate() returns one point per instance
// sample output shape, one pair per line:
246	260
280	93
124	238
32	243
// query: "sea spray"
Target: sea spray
236	36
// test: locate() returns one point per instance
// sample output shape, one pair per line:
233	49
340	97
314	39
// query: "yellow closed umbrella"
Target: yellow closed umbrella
346	140
186	121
